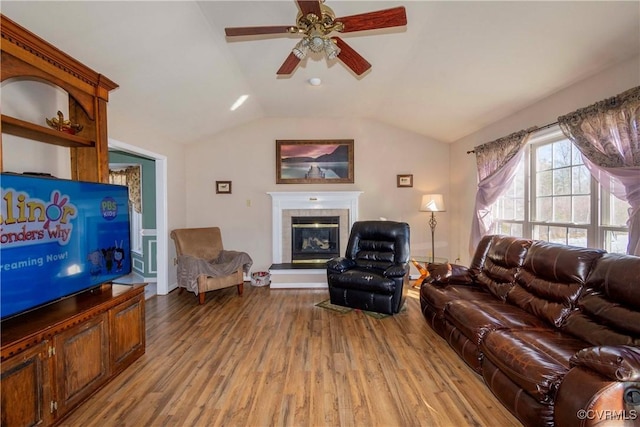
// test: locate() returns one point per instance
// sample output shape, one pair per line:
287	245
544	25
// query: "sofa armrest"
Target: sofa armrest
585	398
446	273
397	270
616	363
340	264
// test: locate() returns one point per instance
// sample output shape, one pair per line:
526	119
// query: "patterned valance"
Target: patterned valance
492	156
129	177
607	132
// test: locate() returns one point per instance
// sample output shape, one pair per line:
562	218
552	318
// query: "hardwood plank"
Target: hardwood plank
271	357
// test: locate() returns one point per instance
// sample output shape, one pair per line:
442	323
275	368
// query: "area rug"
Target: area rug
340	309
327	304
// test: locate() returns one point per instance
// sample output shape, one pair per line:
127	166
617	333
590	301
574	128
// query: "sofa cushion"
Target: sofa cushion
617	276
551	280
609	312
536	360
475	319
504	258
523	406
437	296
601	322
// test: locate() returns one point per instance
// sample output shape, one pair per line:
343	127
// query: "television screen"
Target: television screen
59	237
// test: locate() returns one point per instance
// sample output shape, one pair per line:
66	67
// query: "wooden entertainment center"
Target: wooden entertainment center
53	358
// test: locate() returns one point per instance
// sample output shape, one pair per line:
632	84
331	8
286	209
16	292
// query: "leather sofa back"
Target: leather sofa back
480	255
551	280
502	262
378	244
610	308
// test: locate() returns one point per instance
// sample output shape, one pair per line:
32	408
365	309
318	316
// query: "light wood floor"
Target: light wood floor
271	357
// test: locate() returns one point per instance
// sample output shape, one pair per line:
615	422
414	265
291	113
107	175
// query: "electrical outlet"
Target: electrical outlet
248	203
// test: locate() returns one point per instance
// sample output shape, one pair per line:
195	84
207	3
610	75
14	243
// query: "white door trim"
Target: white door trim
161	210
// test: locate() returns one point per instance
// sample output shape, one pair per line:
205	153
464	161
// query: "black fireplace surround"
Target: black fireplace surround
314	239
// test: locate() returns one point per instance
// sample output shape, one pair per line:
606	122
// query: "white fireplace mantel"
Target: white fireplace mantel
282	200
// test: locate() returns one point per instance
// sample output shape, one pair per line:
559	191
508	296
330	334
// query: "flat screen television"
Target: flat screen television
59	237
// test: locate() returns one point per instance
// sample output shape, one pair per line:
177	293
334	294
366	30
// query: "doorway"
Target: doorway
161	227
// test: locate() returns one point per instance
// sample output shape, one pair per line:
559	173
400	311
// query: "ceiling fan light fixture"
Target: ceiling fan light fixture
316	22
316	43
331	50
301	48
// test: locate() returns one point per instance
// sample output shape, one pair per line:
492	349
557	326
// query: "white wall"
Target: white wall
34	102
125	130
246	156
463	168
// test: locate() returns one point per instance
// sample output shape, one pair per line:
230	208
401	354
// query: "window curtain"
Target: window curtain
129	177
608	136
497	162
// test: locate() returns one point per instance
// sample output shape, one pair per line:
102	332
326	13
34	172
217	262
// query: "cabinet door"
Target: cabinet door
26	393
127	333
81	361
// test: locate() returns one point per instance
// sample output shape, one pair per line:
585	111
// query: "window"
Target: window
131	176
554	198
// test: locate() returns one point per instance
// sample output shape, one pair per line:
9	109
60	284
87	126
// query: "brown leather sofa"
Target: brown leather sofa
554	330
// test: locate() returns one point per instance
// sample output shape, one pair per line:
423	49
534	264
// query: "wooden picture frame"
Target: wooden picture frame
405	180
223	187
314	161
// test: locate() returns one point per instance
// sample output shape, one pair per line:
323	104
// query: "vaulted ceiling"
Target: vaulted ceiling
456	67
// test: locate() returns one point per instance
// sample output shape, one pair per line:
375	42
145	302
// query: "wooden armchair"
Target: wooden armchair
204	244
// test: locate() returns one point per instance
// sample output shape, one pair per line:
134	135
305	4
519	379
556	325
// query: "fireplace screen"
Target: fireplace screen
314	238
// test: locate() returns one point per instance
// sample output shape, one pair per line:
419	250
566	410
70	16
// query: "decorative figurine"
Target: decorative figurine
64	125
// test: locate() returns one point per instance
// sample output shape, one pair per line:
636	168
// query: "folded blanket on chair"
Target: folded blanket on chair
189	267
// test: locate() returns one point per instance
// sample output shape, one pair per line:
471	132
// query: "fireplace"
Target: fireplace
314	239
285	205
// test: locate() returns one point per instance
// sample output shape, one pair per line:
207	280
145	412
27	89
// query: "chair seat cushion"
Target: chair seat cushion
536	360
474	320
363	280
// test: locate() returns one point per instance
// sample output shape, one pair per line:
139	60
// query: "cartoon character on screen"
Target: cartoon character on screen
108	257
96	261
118	255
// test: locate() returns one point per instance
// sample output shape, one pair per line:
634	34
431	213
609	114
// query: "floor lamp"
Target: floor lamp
432	203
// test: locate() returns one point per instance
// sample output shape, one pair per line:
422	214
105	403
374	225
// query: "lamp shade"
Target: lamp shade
432	203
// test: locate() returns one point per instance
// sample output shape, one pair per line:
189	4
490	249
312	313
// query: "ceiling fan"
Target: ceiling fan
316	22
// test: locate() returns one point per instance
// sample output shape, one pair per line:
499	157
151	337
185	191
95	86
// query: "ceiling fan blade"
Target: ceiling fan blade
394	17
289	65
310	6
255	31
351	58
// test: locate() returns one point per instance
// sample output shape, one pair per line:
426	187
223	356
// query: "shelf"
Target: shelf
28	130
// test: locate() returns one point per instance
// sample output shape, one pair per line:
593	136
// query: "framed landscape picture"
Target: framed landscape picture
314	161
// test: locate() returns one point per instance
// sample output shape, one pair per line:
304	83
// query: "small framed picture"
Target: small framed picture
405	181
223	187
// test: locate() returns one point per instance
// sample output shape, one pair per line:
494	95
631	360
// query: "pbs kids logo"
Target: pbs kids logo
109	208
